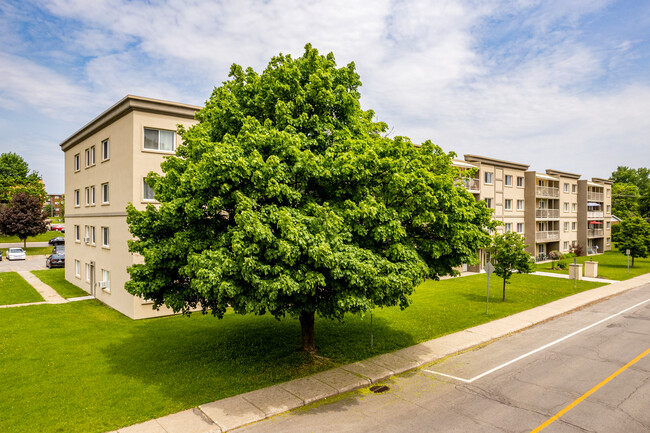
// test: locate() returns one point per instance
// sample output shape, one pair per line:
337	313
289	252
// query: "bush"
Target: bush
569	255
562	265
578	251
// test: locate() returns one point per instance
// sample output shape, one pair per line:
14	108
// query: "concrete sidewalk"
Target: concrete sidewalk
233	412
566	277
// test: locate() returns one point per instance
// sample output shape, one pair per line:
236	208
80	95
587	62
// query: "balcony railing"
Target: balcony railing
595	196
547	213
548	236
595	233
472	185
596	214
547	191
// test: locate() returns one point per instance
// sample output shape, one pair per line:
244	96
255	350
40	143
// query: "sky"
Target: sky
560	84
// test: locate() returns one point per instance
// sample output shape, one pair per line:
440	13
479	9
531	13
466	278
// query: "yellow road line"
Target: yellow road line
588	393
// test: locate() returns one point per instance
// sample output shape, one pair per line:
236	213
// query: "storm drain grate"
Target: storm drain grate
378	389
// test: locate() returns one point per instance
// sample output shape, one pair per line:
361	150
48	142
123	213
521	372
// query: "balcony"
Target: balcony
595	196
596	214
547	236
595	233
472	185
547	213
547	191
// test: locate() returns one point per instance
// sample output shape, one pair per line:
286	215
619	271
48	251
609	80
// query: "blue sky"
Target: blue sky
554	84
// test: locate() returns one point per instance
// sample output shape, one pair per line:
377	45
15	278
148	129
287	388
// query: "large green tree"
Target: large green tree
288	198
625	200
634	235
508	254
639	177
23	218
15	177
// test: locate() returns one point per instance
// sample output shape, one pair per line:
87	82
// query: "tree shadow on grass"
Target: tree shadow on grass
201	359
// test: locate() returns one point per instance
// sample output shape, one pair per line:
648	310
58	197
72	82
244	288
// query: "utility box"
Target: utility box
591	269
575	271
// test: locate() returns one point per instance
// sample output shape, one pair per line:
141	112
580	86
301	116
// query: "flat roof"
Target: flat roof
601	180
545	176
496	162
562	173
124	106
459	163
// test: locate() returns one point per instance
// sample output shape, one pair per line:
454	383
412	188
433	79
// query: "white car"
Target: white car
15	254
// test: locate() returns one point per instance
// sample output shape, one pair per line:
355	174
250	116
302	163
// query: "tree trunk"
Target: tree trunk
632	262
504	290
25	246
307	328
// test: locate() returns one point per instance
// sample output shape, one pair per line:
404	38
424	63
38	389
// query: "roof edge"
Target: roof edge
601	180
124	106
496	162
562	173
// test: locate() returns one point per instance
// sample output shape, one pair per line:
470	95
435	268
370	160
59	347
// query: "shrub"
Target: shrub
561	265
578	251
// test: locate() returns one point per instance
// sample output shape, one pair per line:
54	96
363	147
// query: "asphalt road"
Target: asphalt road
489	390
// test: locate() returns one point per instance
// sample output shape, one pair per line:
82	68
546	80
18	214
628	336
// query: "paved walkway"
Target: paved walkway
566	276
49	295
233	412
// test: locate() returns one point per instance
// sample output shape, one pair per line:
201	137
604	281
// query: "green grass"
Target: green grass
612	265
15	290
38	238
83	367
55	278
30	251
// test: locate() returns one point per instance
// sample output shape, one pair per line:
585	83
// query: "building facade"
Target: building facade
56	203
106	162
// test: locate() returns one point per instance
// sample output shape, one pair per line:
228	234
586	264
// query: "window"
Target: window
77	234
105	150
566	207
573	226
87	196
608	208
574	188
607	241
92	235
608	225
488	202
520	227
104	193
520	205
508	180
566	245
508	204
520	181
87	272
566	227
566	187
488	177
87	235
607	192
106	279
147	191
92	195
92	155
77	162
77	268
508	227
574	207
158	139
105	238
87	157
77	198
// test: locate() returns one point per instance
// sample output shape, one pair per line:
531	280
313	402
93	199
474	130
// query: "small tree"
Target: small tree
634	235
509	255
23	218
15	177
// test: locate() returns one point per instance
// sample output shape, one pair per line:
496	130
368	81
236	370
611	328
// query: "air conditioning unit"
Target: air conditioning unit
101	284
86	240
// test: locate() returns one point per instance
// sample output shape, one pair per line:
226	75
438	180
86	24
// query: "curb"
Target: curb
237	411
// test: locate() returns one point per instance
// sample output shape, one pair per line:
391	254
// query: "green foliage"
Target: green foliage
625	200
640	200
23	218
562	265
634	235
508	255
15	177
287	199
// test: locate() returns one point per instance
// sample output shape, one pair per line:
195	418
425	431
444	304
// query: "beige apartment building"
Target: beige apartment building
106	162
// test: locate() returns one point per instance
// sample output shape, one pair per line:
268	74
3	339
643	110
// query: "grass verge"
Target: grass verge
55	278
15	290
612	265
44	237
83	367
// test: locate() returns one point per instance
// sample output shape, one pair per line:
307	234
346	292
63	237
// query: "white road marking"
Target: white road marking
532	352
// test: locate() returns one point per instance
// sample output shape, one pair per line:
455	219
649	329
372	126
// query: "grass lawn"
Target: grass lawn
83	367
39	238
15	290
611	265
55	278
30	251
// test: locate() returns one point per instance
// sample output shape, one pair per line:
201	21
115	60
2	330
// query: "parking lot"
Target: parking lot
31	263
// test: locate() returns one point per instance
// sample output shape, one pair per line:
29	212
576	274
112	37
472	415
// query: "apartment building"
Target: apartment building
106	162
55	201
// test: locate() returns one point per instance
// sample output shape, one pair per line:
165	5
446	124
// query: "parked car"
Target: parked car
58	249
55	260
58	227
59	240
16	254
0	256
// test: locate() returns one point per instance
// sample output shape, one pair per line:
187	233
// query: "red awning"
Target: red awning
595	222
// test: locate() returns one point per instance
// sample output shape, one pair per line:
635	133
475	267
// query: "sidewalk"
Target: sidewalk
566	277
20	244
233	412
